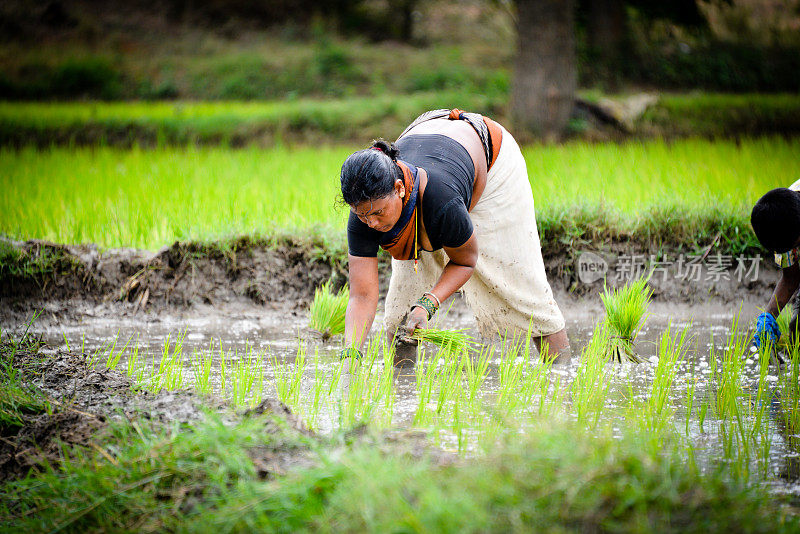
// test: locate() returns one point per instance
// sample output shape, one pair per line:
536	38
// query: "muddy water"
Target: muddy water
276	334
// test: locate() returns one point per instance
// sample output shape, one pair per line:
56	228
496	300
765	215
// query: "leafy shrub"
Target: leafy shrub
716	65
90	77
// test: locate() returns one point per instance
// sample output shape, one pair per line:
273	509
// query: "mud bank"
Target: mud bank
181	275
81	401
78	404
284	274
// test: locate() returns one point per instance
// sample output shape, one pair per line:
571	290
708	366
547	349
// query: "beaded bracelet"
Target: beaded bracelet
438	302
427	304
350	352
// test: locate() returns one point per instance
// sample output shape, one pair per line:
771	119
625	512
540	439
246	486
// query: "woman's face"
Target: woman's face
382	214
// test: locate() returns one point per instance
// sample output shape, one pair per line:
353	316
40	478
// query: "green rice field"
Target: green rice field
700	435
148	198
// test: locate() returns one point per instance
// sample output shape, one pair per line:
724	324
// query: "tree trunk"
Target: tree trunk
607	36
406	9
545	75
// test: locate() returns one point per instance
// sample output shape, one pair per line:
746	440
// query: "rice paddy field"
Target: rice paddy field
665	420
148	198
701	434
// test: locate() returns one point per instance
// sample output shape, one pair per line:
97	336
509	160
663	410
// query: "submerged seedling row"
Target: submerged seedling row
468	399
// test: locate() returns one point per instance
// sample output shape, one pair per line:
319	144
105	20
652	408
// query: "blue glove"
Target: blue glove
766	329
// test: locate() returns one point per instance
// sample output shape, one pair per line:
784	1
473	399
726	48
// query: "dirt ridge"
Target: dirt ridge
181	274
286	272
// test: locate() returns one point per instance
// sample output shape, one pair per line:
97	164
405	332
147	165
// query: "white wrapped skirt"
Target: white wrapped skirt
508	291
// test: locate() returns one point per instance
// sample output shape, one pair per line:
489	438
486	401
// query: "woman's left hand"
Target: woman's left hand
417	318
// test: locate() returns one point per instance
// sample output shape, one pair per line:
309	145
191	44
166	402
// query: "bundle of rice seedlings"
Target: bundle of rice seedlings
784	320
456	341
625	309
327	312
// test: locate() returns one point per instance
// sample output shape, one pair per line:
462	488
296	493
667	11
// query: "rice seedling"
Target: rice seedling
476	372
168	374
452	341
450	377
369	384
510	373
589	389
247	382
424	373
288	378
201	367
789	393
133	357
743	427
317	392
761	433
625	309
656	412
691	392
729	387
113	357
327	312
94	358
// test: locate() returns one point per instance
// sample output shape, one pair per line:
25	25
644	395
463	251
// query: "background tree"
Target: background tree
607	36
545	73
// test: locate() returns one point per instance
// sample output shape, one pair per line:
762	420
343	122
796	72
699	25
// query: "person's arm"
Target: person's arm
455	274
787	285
766	324
363	300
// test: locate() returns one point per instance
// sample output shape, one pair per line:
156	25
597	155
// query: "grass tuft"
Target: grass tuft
327	312
625	310
454	341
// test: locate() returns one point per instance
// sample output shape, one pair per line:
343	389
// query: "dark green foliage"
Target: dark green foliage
718	66
88	77
356	119
654	231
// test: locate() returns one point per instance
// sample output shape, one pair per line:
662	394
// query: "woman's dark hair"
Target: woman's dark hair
370	174
776	219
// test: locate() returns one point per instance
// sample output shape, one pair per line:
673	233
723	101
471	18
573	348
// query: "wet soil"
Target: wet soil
84	400
183	274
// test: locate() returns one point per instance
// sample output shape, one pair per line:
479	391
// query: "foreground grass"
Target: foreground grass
683	192
196	479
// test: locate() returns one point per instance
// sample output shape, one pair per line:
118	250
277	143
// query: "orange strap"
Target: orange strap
496	135
495	139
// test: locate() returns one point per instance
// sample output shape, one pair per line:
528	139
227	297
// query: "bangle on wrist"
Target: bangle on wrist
430	294
350	352
427	304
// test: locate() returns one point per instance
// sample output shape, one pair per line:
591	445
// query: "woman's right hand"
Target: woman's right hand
417	318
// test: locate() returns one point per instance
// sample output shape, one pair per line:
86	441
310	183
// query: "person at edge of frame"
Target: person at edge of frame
451	202
776	222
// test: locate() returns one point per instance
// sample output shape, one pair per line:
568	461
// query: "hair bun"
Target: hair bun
386	147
